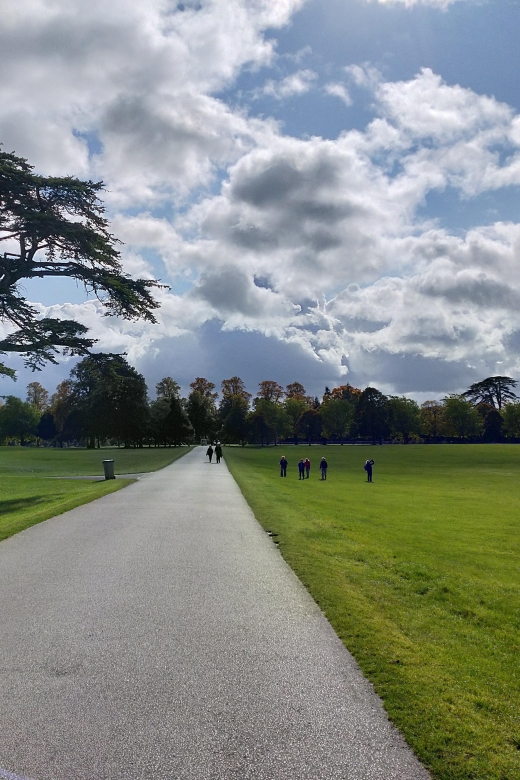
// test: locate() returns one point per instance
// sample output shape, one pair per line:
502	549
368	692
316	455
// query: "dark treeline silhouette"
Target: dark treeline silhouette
105	401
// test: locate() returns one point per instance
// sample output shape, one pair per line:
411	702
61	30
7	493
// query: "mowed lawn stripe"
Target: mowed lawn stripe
419	573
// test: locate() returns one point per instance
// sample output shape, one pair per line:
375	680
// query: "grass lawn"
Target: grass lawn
50	461
419	573
27	498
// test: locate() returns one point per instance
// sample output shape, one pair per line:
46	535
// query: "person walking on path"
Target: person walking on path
209	453
307	467
301	469
283	466
368	468
323	468
218	451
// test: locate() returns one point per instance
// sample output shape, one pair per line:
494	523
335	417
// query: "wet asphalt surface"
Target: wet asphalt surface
157	634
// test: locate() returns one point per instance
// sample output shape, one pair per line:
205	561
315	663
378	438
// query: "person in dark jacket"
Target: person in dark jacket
209	453
368	468
283	466
301	469
323	468
218	451
307	467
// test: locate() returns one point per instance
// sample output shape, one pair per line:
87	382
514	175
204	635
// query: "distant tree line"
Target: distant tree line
105	401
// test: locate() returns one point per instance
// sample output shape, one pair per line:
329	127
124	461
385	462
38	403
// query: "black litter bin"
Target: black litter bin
108	466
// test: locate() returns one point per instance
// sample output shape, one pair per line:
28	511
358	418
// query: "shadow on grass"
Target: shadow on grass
15	504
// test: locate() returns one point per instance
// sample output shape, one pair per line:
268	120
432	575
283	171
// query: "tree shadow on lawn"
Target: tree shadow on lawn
15	504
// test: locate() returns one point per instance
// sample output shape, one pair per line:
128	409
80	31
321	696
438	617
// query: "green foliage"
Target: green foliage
158	421
270	419
178	425
46	427
110	397
202	415
493	424
461	419
495	391
337	416
233	413
403	416
18	420
294	408
418	573
511	415
431	419
309	425
168	422
58	227
371	419
167	388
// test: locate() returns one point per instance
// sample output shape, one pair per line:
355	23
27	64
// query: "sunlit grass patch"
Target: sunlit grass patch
419	573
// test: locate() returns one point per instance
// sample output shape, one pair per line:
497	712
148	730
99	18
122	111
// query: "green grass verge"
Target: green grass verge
27	498
50	461
419	573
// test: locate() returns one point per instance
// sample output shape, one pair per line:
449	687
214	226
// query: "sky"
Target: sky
330	188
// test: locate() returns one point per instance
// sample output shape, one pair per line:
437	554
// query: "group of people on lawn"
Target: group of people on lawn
304	468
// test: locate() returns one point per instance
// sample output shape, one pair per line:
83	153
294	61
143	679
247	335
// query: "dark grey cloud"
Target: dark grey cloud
229	290
481	290
254	238
407	373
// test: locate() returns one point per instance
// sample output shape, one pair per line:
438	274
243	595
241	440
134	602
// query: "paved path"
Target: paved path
157	634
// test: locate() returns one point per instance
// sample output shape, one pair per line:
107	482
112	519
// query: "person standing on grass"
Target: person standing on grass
323	468
307	464
368	468
209	452
218	451
301	469
283	466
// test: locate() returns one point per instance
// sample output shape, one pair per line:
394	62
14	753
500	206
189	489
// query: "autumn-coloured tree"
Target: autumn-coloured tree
270	391
234	386
204	388
62	410
346	393
38	396
295	390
